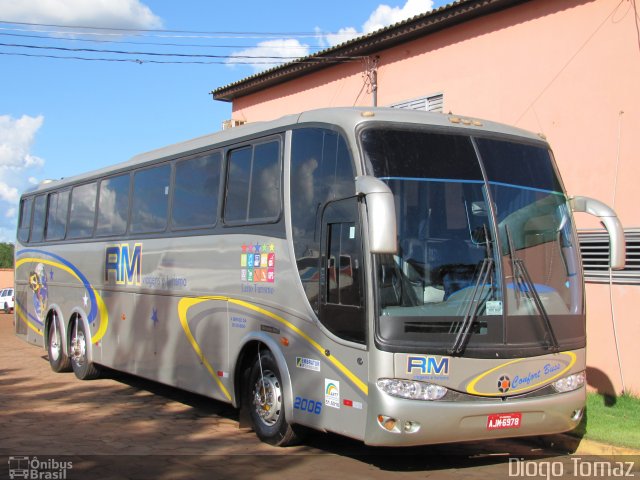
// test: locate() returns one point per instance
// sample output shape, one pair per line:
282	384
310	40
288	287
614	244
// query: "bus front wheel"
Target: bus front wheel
266	402
82	366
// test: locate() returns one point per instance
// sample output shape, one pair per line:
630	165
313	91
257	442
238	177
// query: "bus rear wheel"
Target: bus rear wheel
58	360
266	402
83	368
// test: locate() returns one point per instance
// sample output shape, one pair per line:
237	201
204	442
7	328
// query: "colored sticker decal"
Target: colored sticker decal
331	393
471	388
97	304
186	303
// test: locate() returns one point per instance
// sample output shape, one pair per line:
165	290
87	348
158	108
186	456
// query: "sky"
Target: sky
79	89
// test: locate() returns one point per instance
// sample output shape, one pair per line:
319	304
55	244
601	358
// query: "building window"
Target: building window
430	103
594	248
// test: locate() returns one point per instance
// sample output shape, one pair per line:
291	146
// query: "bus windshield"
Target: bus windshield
487	260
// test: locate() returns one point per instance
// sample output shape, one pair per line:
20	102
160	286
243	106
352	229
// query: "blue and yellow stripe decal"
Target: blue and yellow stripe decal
98	308
186	303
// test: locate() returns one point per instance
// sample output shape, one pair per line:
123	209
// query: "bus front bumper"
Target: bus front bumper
416	422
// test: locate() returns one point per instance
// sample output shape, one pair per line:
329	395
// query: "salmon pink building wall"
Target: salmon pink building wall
569	69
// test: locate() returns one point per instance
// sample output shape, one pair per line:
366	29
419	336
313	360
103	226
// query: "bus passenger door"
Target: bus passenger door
342	312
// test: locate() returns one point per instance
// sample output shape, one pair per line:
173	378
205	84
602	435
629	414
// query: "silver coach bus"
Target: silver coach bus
402	278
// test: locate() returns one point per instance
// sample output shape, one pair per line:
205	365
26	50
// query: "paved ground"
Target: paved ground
125	427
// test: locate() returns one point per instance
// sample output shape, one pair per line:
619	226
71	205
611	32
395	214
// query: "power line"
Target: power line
102	31
124	52
189	62
161	44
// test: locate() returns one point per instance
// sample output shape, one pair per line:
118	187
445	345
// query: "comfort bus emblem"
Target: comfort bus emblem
504	384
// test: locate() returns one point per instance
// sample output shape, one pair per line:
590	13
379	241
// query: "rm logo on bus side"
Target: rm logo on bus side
124	263
428	365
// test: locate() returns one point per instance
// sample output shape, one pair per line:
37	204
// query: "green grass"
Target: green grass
612	420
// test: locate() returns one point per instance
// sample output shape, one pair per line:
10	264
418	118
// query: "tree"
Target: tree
6	255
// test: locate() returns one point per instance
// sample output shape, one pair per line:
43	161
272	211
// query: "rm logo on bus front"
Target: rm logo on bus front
428	365
125	263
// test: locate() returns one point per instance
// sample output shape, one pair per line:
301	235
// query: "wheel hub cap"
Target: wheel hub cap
267	398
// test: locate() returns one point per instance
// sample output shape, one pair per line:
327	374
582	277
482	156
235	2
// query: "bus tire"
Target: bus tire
83	368
266	403
58	359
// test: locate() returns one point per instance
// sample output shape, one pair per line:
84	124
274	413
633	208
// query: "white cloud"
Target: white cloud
9	194
263	55
16	139
343	35
94	13
381	17
385	15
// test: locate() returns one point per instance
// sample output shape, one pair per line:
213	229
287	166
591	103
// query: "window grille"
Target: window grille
431	103
594	249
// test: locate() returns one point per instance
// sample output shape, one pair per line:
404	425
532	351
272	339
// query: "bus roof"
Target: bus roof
347	118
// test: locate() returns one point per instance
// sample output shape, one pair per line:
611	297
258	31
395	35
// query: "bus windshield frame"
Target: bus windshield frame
488	264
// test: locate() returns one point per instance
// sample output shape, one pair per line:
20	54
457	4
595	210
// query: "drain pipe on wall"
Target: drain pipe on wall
613	312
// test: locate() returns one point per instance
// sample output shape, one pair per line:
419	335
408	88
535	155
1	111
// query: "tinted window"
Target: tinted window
195	191
113	206
253	183
25	219
82	213
37	229
343	284
150	199
57	215
264	198
238	181
518	164
321	171
419	154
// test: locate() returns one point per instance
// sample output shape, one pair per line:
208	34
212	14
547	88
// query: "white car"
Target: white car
6	300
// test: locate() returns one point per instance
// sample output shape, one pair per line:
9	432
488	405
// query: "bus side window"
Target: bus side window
253	184
321	171
25	219
195	191
57	207
113	205
150	201
39	215
82	212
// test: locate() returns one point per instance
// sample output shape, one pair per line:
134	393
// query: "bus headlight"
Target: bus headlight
570	383
411	389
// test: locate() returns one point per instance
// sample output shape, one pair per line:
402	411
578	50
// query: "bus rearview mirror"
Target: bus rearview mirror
381	214
609	219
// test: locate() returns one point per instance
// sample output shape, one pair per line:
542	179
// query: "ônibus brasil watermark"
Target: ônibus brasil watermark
37	469
576	467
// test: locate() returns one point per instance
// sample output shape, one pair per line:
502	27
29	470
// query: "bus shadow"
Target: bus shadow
463	455
203	406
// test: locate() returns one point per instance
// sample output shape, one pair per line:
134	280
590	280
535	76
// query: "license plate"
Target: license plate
499	421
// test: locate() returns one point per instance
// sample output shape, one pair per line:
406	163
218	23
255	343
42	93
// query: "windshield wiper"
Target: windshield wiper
522	279
486	270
